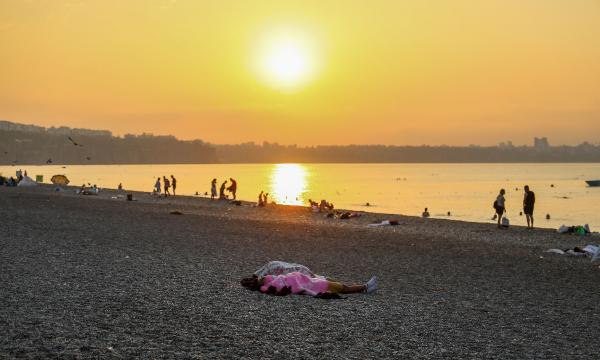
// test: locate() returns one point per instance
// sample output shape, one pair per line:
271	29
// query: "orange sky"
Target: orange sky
392	72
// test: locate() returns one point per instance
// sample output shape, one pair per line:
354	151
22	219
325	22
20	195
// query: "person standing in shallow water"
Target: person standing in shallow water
499	205
167	185
173	184
213	189
528	204
232	188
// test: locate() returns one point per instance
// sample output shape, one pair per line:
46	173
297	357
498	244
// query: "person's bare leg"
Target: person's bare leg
352	289
339	288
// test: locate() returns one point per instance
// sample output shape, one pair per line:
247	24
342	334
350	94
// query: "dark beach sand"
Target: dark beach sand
90	276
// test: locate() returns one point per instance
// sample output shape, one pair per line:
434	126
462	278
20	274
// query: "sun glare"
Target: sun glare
288	183
286	61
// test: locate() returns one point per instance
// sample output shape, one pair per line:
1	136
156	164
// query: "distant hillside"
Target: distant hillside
30	144
274	153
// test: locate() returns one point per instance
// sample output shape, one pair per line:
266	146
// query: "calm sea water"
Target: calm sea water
466	190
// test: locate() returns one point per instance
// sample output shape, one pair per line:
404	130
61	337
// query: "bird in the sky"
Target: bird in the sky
89	158
73	141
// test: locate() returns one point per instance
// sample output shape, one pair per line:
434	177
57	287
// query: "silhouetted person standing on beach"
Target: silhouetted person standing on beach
500	206
528	204
167	185
173	183
157	186
222	190
425	213
233	187
213	189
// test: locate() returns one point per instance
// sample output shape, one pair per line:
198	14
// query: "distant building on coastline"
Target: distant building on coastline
63	130
541	143
11	126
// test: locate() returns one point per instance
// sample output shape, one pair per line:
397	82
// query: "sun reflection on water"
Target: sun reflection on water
288	183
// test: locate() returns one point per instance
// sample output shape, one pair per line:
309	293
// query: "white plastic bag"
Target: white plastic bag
505	222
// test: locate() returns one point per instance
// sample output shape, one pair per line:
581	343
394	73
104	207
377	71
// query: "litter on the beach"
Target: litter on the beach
26	181
576	229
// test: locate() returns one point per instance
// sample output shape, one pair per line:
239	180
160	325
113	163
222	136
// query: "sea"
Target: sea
450	191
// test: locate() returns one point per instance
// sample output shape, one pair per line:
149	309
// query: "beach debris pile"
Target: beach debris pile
576	229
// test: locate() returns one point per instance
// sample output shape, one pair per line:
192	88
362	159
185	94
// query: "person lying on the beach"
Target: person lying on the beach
391	222
277	267
301	284
343	215
589	250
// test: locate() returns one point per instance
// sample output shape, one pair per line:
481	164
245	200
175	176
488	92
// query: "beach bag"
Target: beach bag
505	222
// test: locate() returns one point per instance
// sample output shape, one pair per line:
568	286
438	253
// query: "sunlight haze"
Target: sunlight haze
307	72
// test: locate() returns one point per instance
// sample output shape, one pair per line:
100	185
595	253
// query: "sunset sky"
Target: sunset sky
307	72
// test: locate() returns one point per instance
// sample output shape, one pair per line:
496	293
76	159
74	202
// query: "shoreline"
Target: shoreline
281	212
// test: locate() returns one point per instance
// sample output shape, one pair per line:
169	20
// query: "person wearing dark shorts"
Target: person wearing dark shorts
528	204
500	207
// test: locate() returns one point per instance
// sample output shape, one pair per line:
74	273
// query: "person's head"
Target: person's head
252	283
231	179
425	209
214	180
502	192
526	188
172	176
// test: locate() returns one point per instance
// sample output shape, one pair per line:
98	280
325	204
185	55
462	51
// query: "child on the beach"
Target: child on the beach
301	284
157	187
500	207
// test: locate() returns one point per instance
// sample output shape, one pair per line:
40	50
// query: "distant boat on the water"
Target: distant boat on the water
593	182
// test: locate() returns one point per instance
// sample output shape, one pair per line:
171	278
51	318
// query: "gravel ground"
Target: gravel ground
91	276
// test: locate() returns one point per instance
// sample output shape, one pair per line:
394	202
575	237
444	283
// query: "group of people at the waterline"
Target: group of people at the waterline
168	185
500	208
528	206
232	188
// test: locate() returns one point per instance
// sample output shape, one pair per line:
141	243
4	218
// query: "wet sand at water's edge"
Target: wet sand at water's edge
92	276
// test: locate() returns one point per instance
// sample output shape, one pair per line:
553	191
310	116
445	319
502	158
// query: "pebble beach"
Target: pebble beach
102	277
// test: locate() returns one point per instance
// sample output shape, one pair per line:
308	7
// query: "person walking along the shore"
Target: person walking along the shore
167	185
173	184
233	187
213	189
500	206
157	186
528	204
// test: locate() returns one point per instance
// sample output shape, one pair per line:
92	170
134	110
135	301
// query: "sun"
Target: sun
286	61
